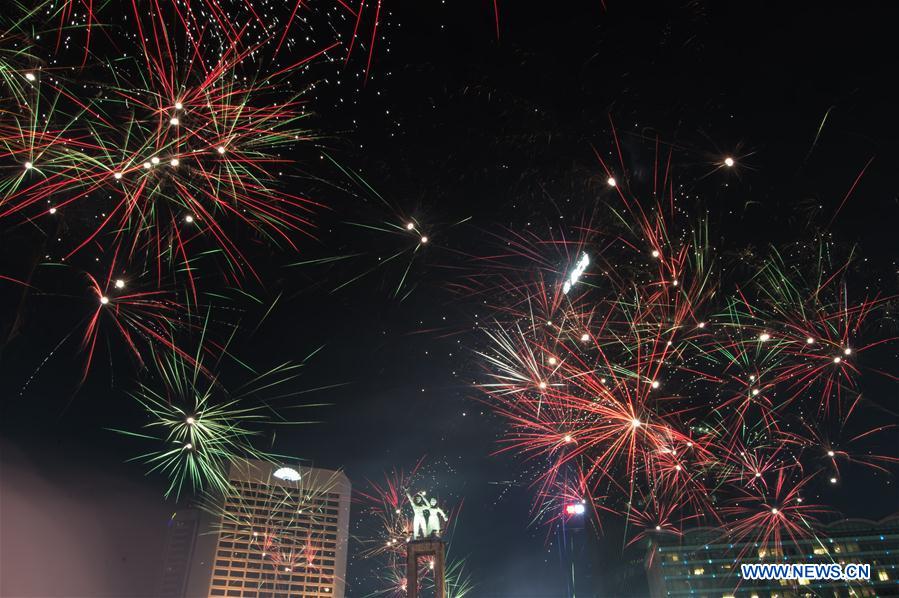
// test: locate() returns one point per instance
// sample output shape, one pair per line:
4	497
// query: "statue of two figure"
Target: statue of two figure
425	526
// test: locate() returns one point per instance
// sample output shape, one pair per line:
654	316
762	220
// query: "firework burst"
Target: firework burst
651	387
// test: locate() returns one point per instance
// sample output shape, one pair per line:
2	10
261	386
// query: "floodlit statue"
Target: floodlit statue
419	505
434	515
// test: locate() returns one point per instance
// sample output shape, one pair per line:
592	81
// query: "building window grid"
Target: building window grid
317	516
686	559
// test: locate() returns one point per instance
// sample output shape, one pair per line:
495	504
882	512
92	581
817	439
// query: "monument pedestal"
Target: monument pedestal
426	547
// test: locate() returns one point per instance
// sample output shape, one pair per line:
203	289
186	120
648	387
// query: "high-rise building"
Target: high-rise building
702	563
280	532
180	537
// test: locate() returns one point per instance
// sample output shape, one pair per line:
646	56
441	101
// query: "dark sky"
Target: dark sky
501	131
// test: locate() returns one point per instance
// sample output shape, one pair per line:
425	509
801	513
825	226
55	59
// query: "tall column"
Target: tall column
416	549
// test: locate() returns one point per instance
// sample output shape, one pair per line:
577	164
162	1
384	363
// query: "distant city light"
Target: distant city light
728	161
575	275
611	181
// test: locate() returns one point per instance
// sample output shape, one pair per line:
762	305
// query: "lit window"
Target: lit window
698	571
883	576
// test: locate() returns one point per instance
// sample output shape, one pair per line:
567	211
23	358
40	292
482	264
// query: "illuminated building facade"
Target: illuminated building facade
701	564
281	532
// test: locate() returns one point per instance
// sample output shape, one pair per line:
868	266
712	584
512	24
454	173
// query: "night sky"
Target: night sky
455	125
